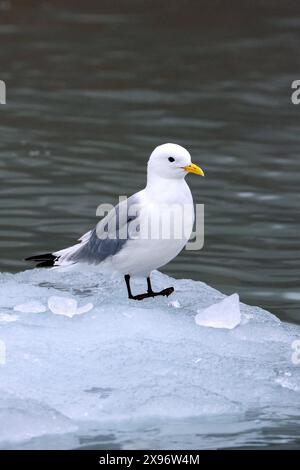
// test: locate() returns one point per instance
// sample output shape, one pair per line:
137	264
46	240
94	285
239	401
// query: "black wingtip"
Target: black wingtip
42	261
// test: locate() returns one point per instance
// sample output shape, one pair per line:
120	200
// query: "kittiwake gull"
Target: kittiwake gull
144	232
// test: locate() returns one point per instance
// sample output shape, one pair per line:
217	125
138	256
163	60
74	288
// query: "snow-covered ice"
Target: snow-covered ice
138	374
224	314
174	303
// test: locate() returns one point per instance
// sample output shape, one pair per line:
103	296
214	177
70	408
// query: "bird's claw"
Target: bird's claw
168	291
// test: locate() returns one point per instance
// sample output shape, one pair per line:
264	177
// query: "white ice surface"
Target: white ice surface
133	362
224	314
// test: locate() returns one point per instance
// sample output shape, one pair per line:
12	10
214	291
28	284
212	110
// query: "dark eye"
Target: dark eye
171	159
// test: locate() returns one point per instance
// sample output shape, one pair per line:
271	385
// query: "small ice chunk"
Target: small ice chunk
199	359
288	383
174	303
67	306
6	318
84	309
62	305
224	314
35	306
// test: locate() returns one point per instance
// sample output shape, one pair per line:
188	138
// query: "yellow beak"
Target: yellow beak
192	168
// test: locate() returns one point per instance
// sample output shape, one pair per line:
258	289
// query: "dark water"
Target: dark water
92	90
93	87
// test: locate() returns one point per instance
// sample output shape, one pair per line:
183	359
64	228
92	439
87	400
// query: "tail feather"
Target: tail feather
44	260
59	258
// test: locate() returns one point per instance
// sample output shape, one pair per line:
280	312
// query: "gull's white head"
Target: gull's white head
171	161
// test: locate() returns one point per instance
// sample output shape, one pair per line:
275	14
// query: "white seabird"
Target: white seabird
146	231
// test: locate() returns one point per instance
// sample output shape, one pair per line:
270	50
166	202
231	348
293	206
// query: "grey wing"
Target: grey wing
109	236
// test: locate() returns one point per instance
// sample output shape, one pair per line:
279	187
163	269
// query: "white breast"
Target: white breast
165	223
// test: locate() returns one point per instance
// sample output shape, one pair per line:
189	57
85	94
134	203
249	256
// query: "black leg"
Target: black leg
149	287
168	291
149	293
127	280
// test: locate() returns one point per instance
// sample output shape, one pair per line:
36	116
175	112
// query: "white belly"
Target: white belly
163	233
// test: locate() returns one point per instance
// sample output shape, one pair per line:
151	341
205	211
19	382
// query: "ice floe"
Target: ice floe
155	363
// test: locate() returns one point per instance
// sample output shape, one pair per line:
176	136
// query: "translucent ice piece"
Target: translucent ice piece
34	306
224	314
67	306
